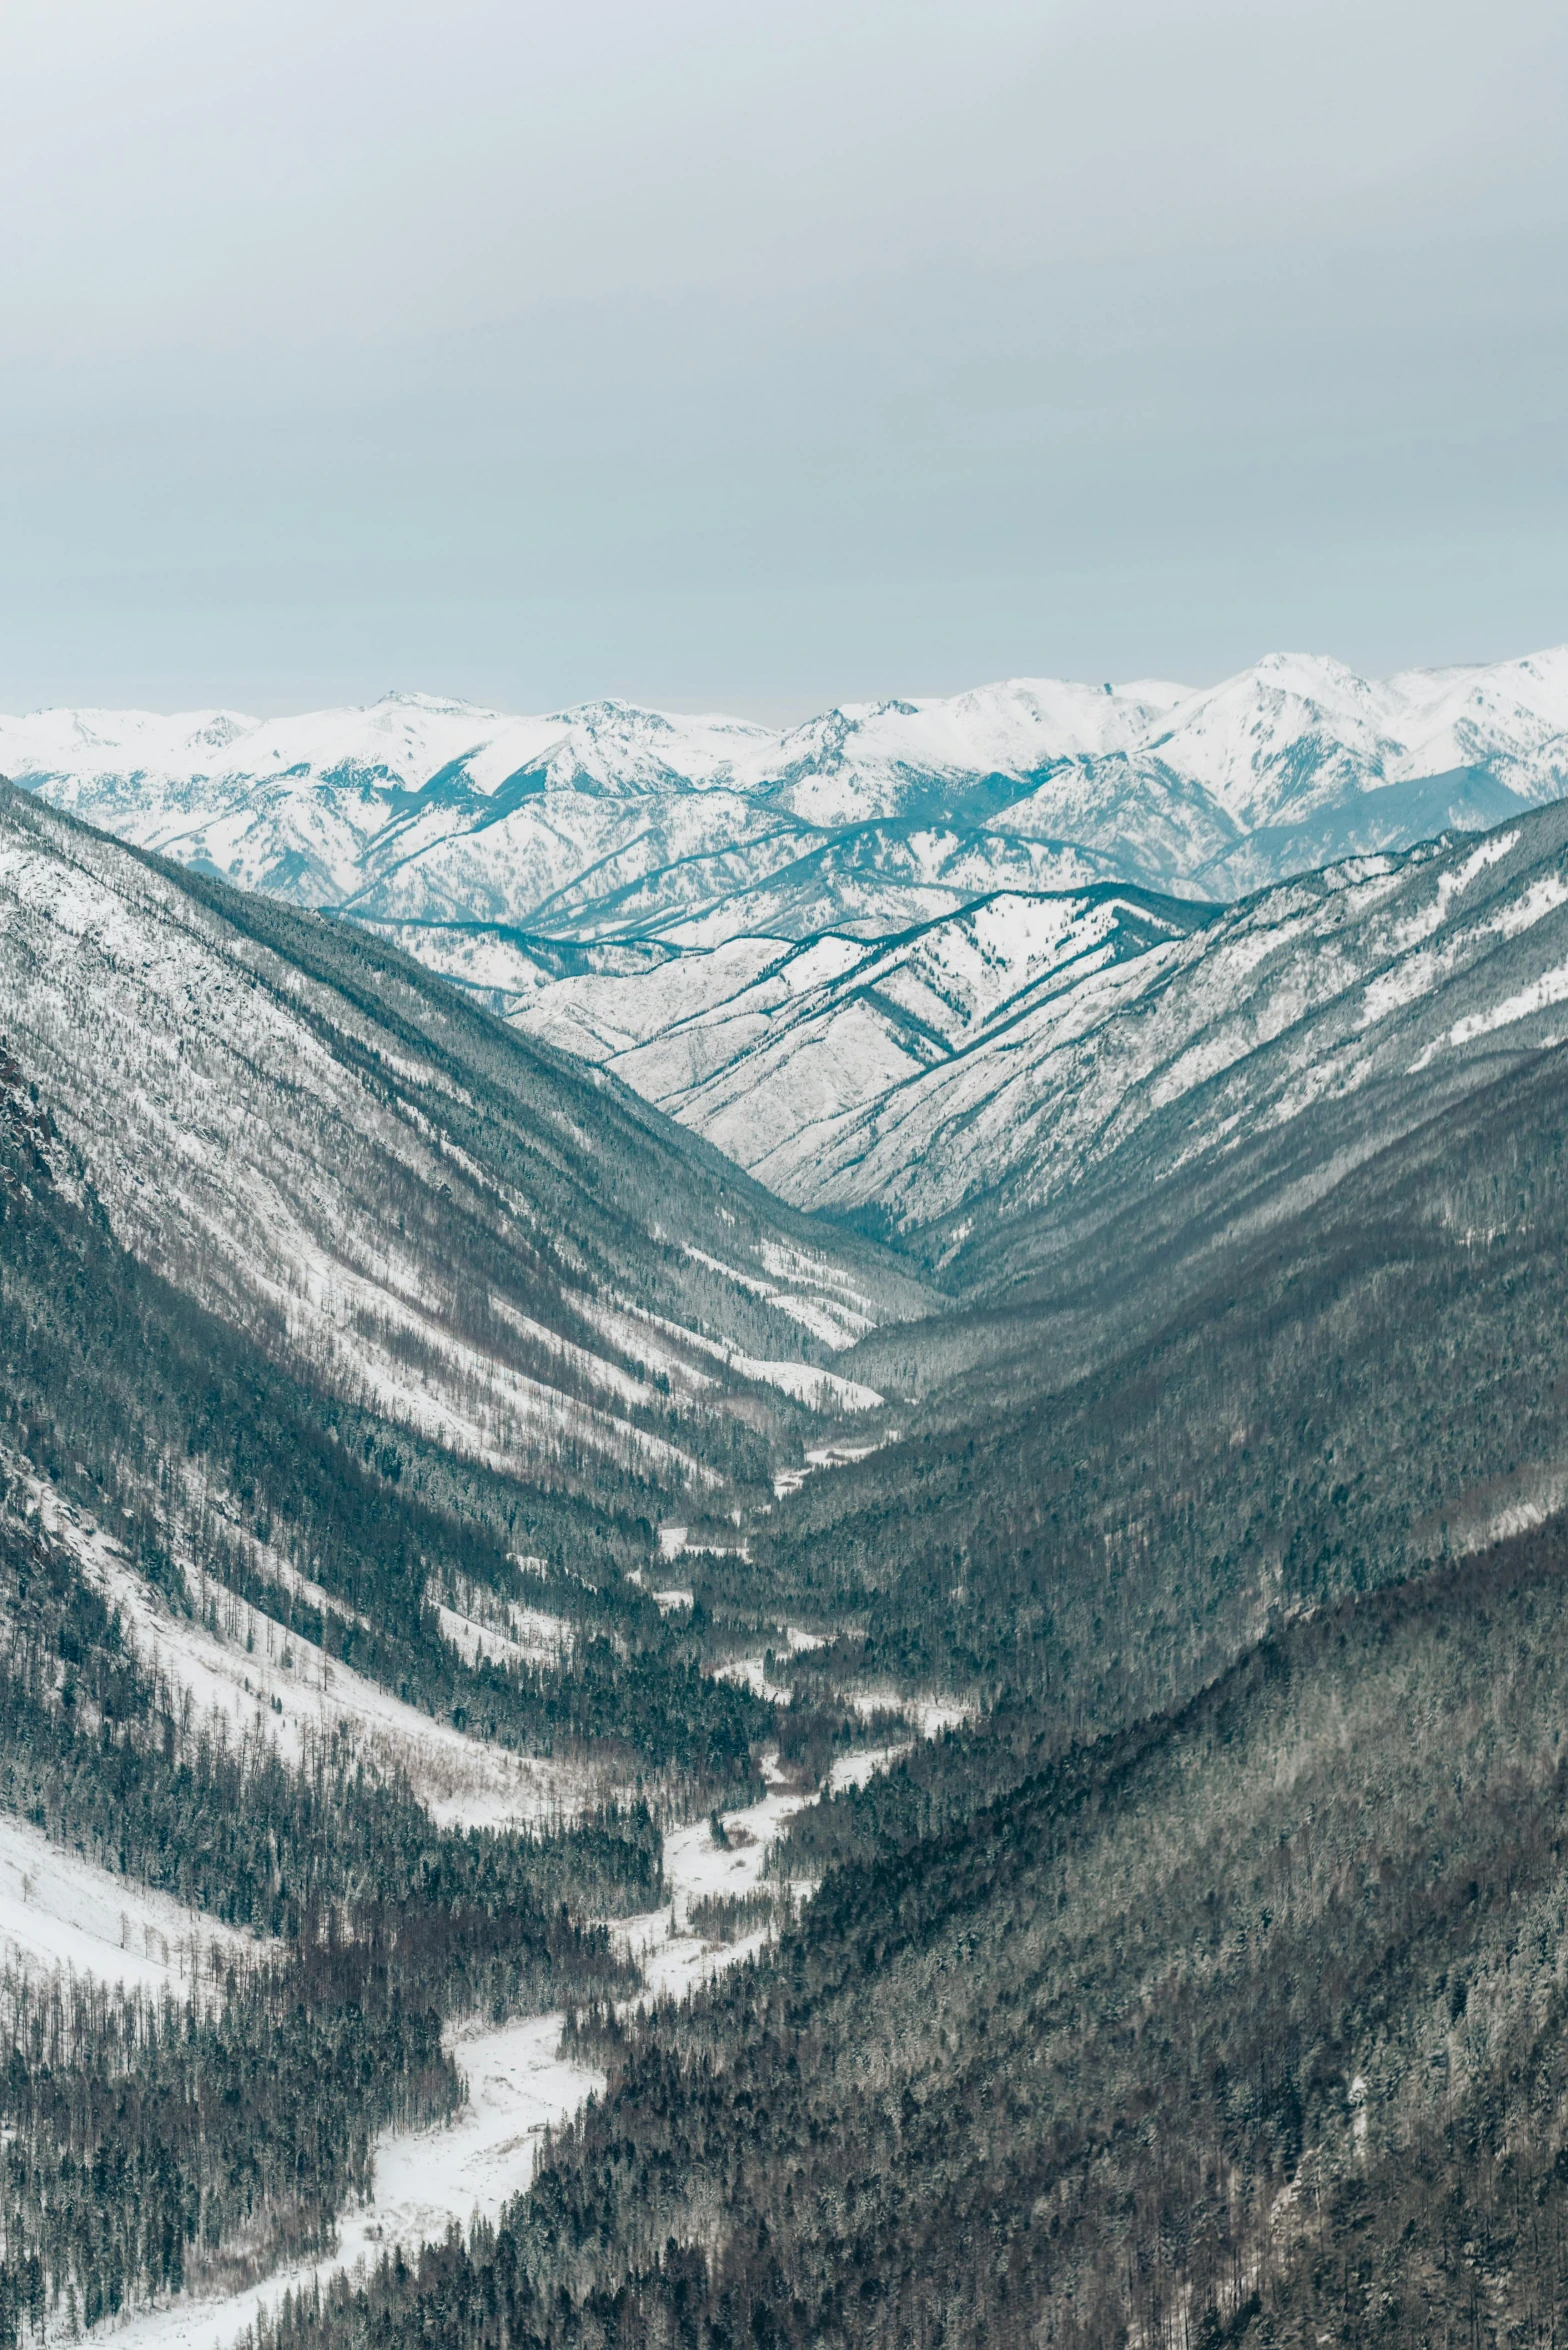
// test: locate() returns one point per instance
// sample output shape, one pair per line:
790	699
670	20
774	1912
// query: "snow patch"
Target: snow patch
60	1909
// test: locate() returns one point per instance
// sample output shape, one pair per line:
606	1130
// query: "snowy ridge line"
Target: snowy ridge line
607	820
775	1058
1368	969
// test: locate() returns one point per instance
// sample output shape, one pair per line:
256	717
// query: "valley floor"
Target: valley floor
518	2087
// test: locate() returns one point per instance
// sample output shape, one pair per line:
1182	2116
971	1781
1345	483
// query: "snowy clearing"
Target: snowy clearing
60	1909
517	2086
853	1770
696	1867
535	1638
930	1716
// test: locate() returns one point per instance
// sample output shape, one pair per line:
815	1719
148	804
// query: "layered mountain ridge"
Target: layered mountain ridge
833	950
583	824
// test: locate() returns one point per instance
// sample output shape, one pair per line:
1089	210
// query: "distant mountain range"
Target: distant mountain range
838	950
607	821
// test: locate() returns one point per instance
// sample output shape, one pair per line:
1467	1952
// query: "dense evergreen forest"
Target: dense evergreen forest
1244	2025
151	2145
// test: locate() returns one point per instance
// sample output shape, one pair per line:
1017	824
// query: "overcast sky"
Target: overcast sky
761	356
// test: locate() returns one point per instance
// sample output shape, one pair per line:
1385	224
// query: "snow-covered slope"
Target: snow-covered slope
767	1048
1000	1054
1427	969
447	1226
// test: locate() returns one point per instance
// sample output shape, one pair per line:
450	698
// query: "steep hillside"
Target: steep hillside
369	1371
786	1055
1274	1341
445	1224
1419	968
375	1343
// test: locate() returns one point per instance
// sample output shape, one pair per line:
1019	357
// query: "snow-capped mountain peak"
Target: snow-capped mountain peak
635	828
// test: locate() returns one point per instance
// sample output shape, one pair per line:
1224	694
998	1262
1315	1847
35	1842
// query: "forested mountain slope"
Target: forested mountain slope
1244	1365
357	1354
351	1351
1248	2026
787	1056
698	902
942	1080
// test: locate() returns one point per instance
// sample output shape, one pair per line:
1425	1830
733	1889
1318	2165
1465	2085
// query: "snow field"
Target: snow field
838	1454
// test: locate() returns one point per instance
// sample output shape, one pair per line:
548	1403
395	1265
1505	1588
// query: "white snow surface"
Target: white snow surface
518	2085
58	1909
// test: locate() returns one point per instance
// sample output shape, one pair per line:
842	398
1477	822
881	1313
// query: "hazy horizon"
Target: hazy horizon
782	720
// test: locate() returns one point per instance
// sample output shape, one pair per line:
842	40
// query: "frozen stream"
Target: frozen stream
517	2087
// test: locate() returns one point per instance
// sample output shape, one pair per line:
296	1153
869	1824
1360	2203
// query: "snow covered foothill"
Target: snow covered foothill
1377	967
766	1048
